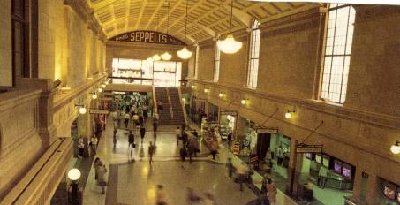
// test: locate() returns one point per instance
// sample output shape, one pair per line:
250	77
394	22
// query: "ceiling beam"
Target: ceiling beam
140	13
242	16
155	14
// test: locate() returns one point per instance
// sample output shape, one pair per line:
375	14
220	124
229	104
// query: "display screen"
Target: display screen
338	166
325	161
318	158
346	172
389	190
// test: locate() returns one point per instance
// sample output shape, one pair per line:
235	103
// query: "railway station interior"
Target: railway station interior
117	102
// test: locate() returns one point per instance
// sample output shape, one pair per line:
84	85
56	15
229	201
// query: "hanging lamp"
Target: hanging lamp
184	53
229	45
166	56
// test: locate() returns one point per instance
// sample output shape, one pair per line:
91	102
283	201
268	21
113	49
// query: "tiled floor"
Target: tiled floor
134	182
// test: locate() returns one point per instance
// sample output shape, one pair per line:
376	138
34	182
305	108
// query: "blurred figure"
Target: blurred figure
209	200
271	191
242	174
161	196
151	150
192	198
100	172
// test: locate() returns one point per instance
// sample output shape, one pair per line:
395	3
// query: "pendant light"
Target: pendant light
166	56
184	53
229	45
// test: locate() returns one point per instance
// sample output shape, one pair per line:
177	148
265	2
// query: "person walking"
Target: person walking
209	200
272	191
161	196
230	167
101	177
229	139
131	143
242	174
126	116
178	135
93	142
115	137
81	148
142	131
183	153
213	148
155	123
151	150
190	149
191	197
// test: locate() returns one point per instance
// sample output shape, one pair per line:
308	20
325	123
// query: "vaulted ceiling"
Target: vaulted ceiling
206	18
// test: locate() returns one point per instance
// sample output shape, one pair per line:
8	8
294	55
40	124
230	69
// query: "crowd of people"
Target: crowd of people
131	117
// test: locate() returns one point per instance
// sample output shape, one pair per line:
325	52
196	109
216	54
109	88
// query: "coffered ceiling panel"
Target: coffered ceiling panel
206	18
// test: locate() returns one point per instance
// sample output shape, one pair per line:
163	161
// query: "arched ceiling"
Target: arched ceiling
206	18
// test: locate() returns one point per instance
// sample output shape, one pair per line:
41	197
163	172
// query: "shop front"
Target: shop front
227	122
327	175
197	109
212	113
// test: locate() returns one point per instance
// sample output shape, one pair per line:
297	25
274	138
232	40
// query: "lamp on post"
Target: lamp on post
74	175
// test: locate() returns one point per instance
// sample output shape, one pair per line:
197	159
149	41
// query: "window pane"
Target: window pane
337	52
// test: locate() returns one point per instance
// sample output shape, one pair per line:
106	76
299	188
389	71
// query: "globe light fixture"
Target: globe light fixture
206	90
229	45
184	53
99	90
244	101
221	95
166	56
103	85
74	174
94	96
156	57
395	149
150	59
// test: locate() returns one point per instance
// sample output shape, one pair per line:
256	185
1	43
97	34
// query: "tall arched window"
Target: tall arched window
337	52
254	55
216	63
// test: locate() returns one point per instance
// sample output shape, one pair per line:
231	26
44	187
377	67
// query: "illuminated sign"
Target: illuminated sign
147	37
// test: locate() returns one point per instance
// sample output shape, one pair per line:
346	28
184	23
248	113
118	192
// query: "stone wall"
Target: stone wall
373	77
361	130
5	44
20	143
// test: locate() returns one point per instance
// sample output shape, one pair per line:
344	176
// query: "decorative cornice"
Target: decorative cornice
375	119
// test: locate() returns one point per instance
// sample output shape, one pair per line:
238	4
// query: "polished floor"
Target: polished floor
134	182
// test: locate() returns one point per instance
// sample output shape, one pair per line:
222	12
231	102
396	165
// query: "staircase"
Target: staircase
172	113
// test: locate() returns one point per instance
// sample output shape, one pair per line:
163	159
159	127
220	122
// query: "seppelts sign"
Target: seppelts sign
147	37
